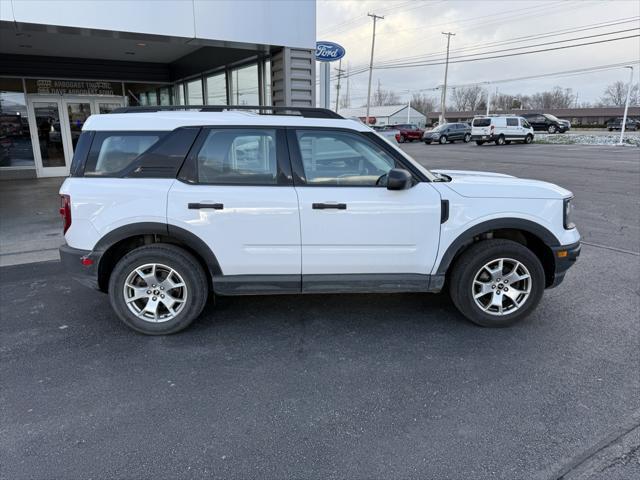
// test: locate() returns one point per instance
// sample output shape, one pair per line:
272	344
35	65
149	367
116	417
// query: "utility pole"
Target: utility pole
373	44
626	103
409	108
446	70
348	97
488	97
339	70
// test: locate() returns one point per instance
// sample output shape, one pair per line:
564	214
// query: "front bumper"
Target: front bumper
565	256
85	273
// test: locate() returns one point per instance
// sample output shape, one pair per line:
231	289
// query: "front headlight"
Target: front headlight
568	214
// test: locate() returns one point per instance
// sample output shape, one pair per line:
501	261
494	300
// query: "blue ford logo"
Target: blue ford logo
329	51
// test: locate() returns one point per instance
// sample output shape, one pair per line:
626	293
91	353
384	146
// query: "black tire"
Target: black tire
500	140
176	258
507	142
427	142
467	138
442	140
479	142
403	139
472	260
528	139
552	129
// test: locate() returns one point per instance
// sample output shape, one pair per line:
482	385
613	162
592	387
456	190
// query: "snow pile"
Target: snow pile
586	139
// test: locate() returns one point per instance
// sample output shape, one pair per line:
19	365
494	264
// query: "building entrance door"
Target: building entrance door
56	124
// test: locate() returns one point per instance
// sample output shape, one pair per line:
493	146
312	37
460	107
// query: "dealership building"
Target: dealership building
63	60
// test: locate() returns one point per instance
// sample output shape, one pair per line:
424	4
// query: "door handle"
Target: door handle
213	206
325	206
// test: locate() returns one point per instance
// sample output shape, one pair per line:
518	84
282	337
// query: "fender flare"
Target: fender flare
150	228
467	236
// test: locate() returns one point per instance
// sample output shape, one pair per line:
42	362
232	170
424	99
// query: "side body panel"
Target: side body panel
100	205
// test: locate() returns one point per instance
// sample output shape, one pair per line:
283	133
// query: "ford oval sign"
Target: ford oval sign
329	51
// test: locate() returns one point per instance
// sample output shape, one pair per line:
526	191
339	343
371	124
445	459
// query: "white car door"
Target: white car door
235	193
351	223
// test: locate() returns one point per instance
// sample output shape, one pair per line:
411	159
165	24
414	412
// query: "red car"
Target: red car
408	132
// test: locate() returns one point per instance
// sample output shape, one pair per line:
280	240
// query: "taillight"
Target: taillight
65	212
493	127
398	137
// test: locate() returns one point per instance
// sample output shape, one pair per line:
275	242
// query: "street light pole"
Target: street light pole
626	103
446	71
373	44
488	97
338	85
409	109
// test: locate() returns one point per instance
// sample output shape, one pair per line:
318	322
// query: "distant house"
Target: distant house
385	115
579	117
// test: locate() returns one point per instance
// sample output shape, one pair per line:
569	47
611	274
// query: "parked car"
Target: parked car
616	124
164	207
408	132
448	132
544	122
501	130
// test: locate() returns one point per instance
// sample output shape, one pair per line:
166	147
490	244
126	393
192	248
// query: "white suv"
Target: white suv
163	207
501	129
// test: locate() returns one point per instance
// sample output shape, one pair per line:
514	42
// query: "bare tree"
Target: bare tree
384	97
557	98
616	94
468	98
423	103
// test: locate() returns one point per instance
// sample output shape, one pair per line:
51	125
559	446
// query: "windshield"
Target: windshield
552	117
440	127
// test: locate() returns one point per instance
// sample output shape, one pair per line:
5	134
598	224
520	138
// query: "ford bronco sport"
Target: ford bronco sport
167	204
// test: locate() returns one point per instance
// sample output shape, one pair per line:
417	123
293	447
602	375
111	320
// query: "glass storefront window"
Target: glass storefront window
179	95
217	89
165	96
78	114
267	81
144	93
15	140
194	92
244	86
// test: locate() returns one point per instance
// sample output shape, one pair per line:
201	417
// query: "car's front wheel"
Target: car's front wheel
467	138
528	139
158	289
497	282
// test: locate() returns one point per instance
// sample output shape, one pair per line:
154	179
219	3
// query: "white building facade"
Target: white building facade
386	115
63	60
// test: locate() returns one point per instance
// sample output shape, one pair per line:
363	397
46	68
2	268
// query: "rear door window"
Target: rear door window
481	122
238	157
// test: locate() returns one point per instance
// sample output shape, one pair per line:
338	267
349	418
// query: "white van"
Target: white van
501	130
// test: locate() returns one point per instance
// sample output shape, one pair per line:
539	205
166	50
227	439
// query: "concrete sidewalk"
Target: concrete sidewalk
30	224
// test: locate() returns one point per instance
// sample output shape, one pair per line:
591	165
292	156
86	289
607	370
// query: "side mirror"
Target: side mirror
399	179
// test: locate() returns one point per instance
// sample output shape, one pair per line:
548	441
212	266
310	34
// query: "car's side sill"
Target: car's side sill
331	283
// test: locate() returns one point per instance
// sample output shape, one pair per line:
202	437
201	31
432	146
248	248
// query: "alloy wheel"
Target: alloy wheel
501	287
155	292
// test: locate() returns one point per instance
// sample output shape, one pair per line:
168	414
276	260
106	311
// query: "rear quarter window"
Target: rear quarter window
481	122
114	152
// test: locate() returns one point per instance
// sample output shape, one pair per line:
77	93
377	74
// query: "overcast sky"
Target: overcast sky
413	28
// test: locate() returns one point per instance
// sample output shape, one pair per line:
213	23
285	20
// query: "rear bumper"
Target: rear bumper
483	138
565	256
72	261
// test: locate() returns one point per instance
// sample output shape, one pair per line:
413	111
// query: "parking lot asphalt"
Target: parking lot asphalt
353	386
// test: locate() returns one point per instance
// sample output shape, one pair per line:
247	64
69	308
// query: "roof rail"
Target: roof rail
307	112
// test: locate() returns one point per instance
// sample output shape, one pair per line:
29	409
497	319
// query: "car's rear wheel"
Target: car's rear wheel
158	289
497	282
500	140
467	138
551	129
528	139
402	139
442	140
